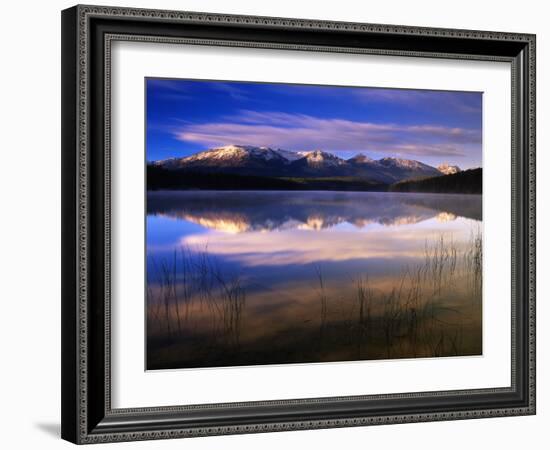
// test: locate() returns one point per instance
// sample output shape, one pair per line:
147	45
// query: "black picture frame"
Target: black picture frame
87	415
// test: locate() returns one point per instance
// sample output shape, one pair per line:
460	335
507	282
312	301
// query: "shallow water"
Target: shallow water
243	278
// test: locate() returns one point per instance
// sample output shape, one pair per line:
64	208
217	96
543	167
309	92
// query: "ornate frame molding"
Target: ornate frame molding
80	418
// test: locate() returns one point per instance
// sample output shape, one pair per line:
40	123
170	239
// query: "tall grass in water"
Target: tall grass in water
411	319
195	280
323	300
440	260
232	301
473	260
436	329
364	297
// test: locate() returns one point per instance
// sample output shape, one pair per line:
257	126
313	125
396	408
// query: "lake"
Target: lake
246	277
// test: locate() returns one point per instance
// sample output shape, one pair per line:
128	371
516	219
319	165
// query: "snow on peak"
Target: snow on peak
402	163
317	157
289	155
447	169
231	152
361	158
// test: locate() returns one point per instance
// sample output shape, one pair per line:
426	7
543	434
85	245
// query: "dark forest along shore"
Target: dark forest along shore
246	278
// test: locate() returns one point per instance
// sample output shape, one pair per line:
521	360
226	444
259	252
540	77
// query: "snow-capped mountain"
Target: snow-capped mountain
447	169
320	158
361	159
227	155
408	164
291	156
406	169
266	161
242	159
390	170
317	163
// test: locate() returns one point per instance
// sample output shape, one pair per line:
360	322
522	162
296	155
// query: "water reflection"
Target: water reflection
237	212
240	278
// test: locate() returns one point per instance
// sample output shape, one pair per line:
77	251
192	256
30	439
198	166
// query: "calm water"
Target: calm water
243	278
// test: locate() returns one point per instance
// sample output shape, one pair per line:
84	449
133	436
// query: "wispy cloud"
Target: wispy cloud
300	131
232	90
165	88
460	102
170	89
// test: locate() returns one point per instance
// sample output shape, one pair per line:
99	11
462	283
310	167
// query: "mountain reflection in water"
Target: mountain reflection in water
243	278
236	212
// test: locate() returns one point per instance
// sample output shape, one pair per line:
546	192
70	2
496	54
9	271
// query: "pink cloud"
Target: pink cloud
299	132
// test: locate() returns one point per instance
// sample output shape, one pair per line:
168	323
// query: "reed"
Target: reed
409	315
323	301
196	276
364	298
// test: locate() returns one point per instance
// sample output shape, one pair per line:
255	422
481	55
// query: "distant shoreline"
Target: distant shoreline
466	182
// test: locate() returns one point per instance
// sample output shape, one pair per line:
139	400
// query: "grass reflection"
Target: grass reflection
199	313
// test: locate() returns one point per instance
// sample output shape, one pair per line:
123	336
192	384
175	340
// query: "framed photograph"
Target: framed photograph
277	224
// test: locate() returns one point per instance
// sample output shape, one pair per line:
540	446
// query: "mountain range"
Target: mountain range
278	163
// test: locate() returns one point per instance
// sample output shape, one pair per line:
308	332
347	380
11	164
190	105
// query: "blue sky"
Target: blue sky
187	116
